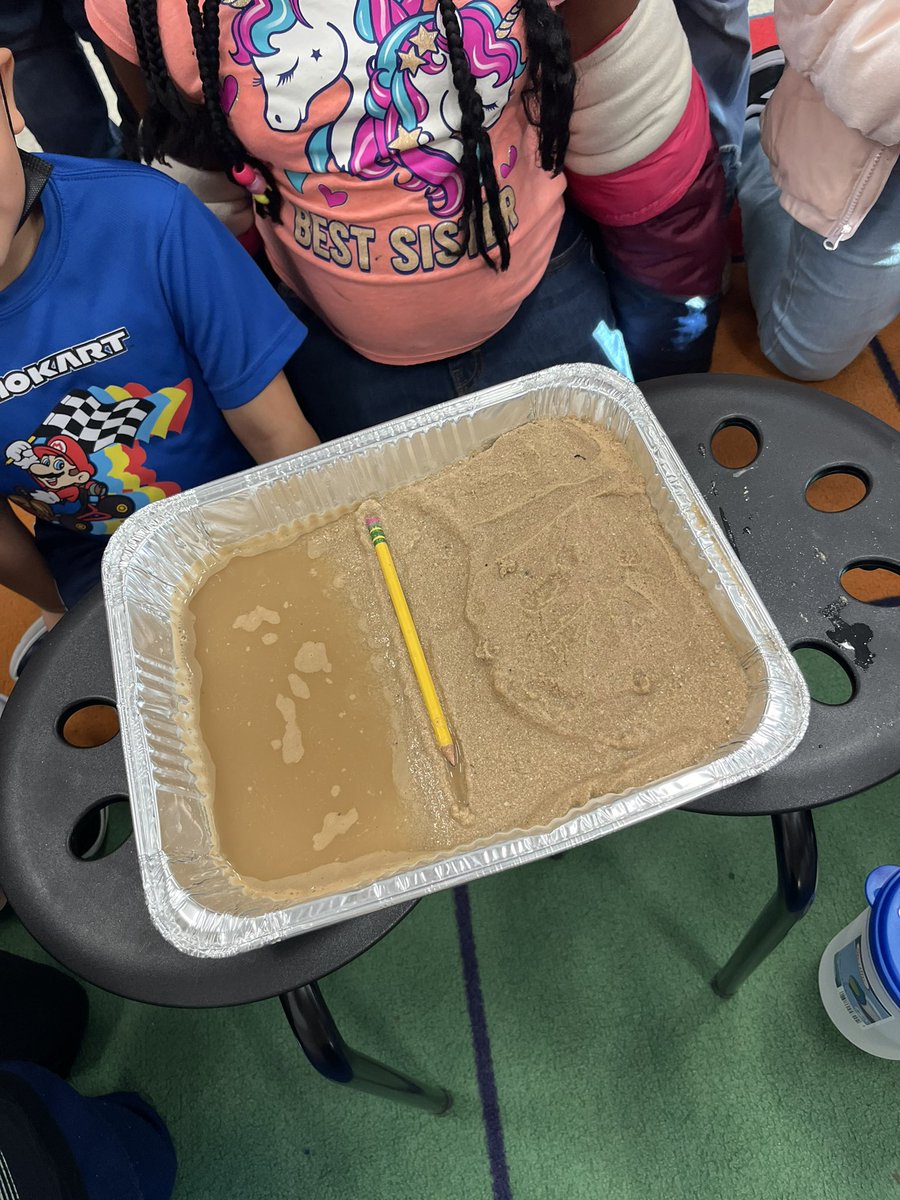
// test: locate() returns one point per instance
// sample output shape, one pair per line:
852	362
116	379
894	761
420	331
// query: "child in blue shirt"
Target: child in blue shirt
141	353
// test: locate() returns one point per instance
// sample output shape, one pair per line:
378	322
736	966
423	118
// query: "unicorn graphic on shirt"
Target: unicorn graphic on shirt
301	49
413	112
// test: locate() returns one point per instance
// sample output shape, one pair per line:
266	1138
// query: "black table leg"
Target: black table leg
797	859
315	1030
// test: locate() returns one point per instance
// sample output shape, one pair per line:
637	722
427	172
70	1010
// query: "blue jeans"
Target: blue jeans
816	308
575	314
56	90
718	32
340	391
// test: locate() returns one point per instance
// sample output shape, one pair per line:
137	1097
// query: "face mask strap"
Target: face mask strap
6	104
36	170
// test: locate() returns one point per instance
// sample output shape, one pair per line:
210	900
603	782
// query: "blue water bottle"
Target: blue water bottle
859	976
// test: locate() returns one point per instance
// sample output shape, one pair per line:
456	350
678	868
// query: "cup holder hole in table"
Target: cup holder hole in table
103	830
837	490
872	582
735	444
88	724
829	680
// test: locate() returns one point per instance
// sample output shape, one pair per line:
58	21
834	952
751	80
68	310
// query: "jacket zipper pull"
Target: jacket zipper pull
838	235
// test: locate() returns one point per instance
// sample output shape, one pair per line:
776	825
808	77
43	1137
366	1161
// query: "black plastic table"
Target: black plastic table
91	916
795	556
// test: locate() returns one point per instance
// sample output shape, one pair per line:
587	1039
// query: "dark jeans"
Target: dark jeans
577	313
73	559
53	1141
56	90
340	391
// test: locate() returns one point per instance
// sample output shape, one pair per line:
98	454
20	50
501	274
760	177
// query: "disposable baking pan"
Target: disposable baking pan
162	550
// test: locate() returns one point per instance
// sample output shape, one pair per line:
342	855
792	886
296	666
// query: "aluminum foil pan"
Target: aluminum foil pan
193	899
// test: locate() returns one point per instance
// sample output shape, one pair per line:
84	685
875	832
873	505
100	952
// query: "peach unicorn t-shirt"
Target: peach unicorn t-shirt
353	104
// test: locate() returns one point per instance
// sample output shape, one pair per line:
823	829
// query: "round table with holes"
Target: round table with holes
91	916
796	557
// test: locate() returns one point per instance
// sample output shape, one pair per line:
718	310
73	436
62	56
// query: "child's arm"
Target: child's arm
22	569
271	425
131	78
643	165
588	23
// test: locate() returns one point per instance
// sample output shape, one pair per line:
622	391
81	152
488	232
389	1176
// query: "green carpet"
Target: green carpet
618	1073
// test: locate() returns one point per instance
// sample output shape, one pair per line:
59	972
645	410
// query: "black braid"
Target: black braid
171	126
206	43
550	95
151	134
477	163
136	20
549	99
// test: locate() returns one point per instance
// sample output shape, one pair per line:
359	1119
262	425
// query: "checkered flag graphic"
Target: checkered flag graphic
93	424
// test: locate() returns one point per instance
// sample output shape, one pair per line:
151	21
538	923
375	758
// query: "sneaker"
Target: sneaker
766	69
26	644
90	834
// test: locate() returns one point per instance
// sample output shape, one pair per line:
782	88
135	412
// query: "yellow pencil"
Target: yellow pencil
413	645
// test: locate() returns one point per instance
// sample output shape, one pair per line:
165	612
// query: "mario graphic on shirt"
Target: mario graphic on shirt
64	476
87	463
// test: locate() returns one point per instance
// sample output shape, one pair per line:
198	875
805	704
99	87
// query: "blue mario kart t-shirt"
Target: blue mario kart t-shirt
136	323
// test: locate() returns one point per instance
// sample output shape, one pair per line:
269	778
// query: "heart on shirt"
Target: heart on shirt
228	93
334	199
506	169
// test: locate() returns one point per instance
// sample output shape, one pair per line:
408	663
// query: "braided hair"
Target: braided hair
171	125
204	137
549	100
550	94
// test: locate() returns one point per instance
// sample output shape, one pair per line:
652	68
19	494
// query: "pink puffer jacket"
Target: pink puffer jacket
832	127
